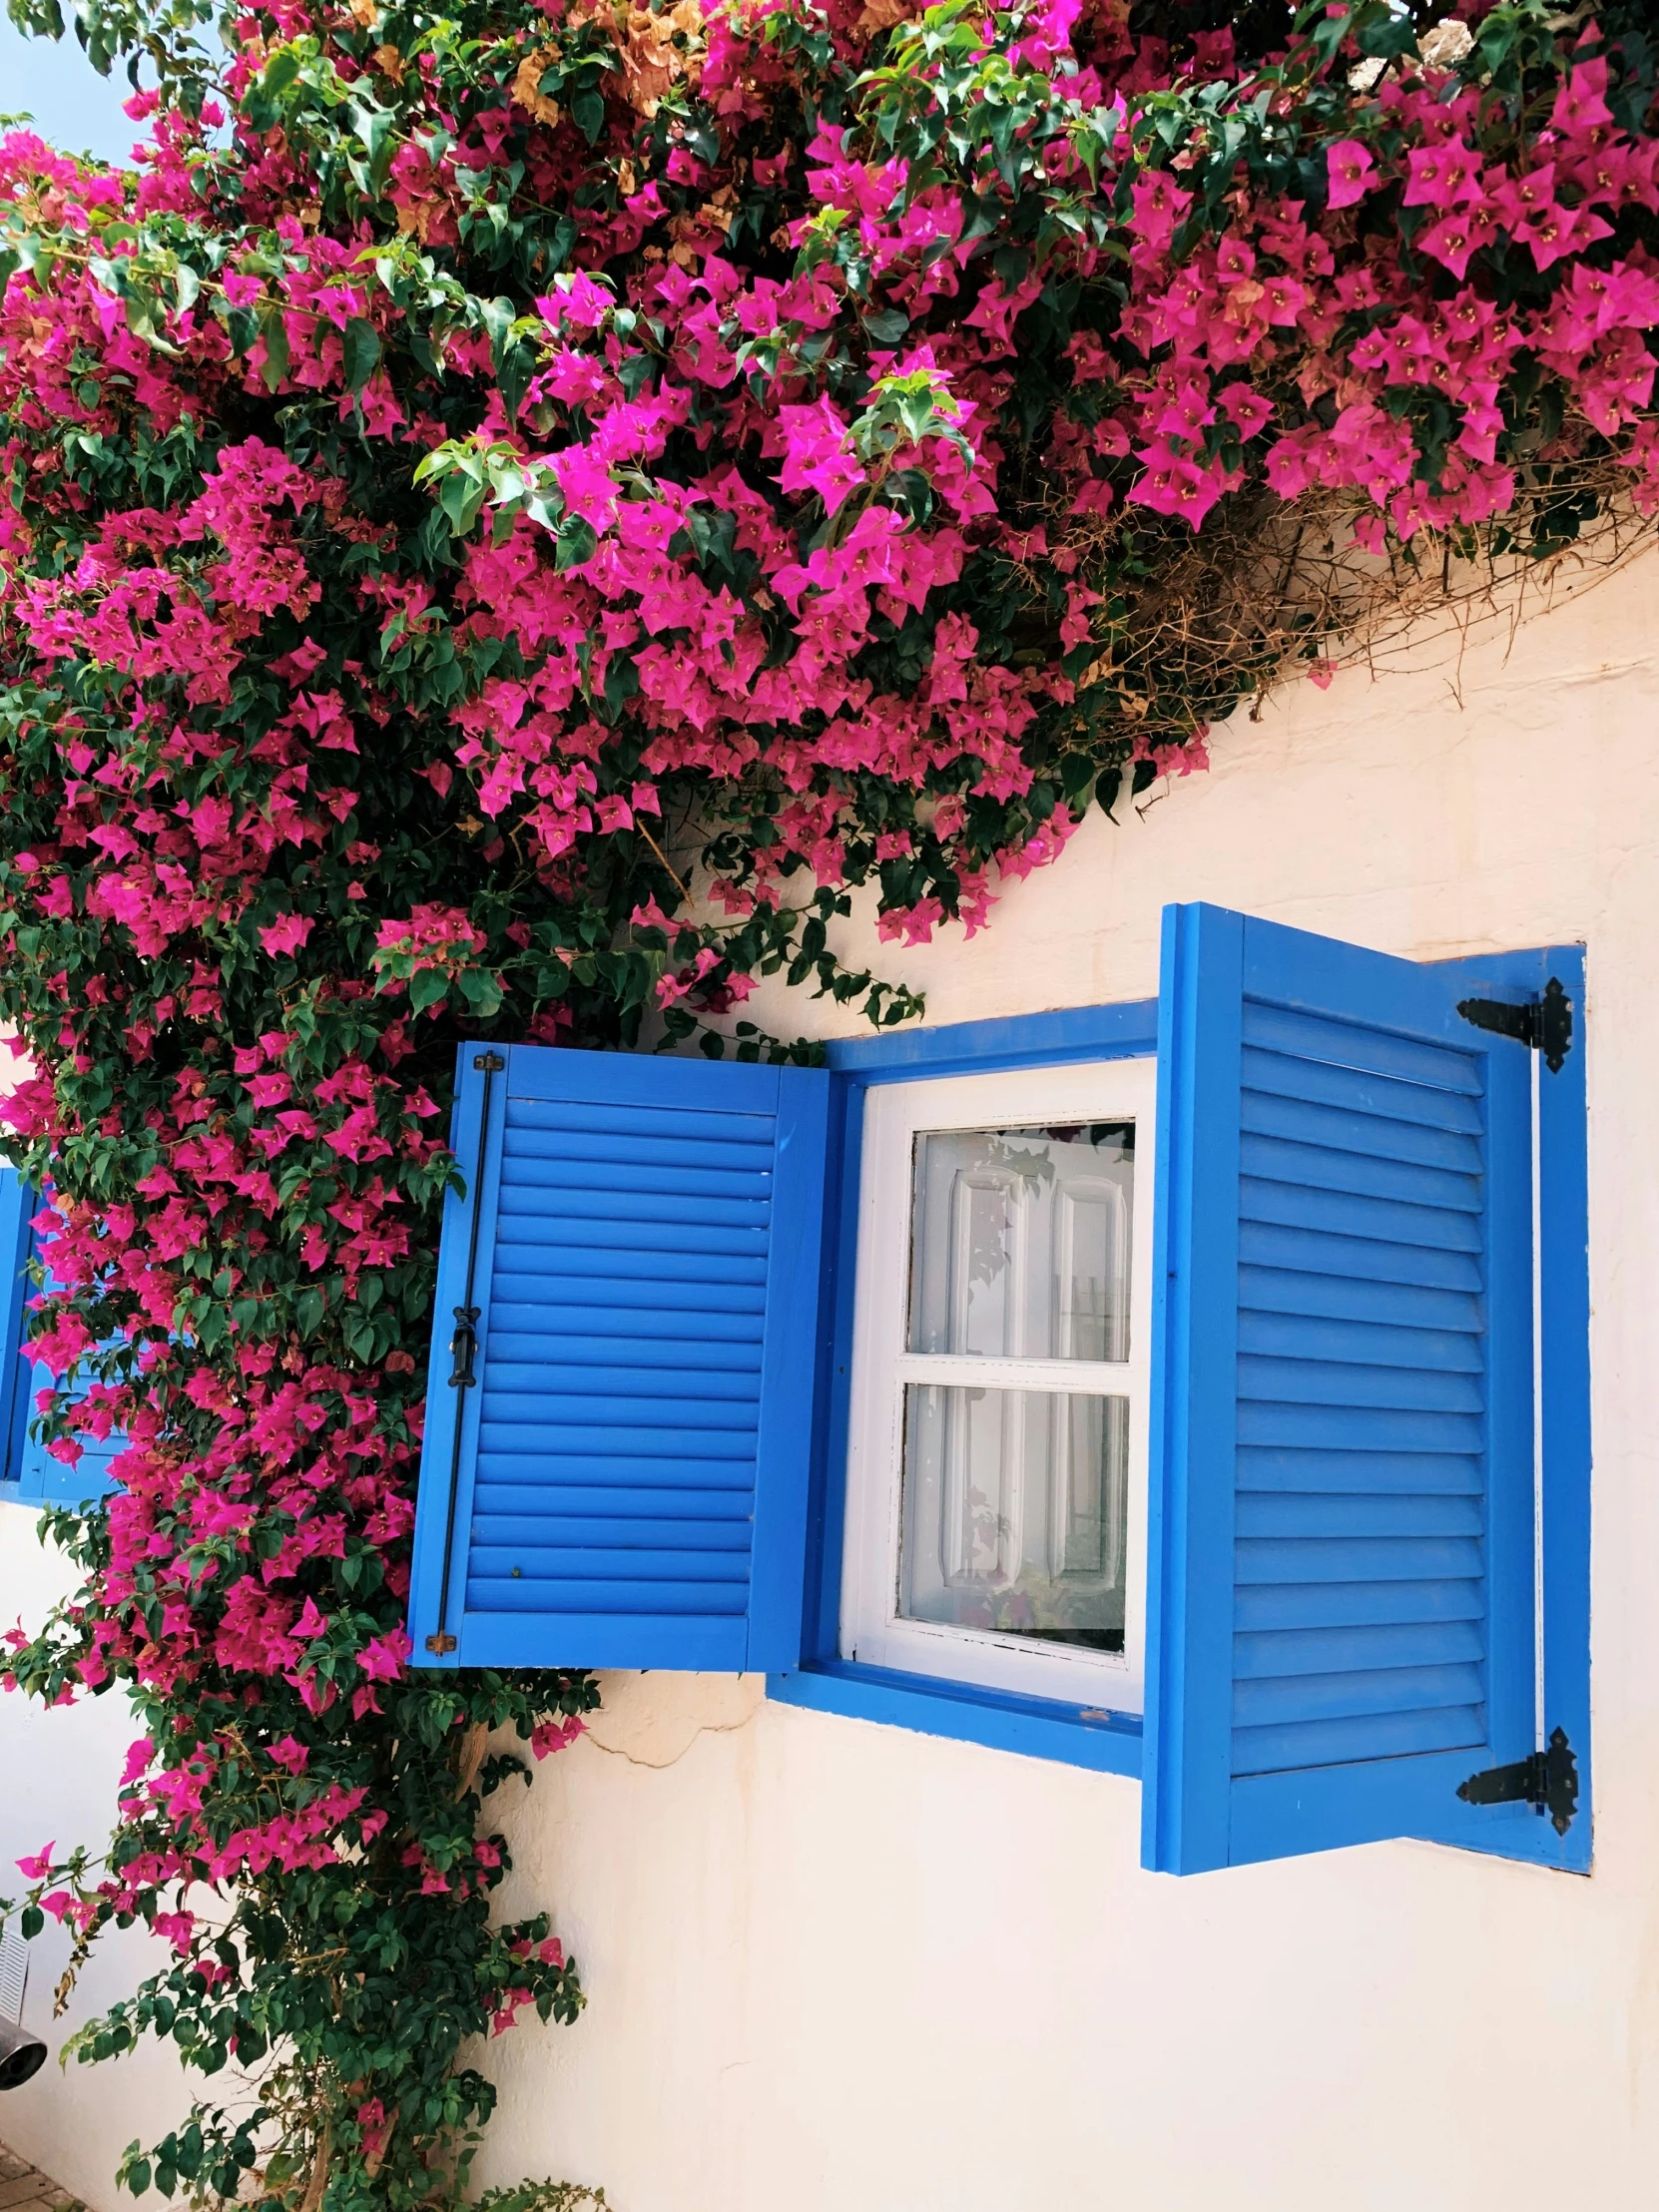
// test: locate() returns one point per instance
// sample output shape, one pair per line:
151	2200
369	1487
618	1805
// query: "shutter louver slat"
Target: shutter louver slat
1365	1604
1353	1693
1279	1380
1406	1107
1368	1135
1339	1627
1308	1167
647	1291
498	1506
1329	1215
1333	1652
1390	1513
720	1318
1378	1058
630	1281
613	1352
1262	1469
1262	1751
1382	1343
1351	1261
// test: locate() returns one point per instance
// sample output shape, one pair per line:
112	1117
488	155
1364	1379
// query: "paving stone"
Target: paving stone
24	2188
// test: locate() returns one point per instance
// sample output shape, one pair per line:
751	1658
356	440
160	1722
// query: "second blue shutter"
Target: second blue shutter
17	1203
33	1477
623	1483
1341	1583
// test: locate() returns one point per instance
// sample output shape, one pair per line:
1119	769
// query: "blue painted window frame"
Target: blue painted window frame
1077	1735
1112	1742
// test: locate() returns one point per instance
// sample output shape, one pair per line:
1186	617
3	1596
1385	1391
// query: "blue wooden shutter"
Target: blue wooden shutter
1340	1578
32	1476
17	1203
623	1483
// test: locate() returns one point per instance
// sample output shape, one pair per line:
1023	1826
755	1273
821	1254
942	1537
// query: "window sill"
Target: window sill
1039	1728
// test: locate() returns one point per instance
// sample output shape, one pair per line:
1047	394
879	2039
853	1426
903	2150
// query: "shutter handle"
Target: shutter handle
463	1344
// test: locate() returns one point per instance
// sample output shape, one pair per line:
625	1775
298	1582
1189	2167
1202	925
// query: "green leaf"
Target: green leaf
481	990
274	330
588	113
1386	33
574	542
280	73
888	326
460	495
513	373
622	680
363	353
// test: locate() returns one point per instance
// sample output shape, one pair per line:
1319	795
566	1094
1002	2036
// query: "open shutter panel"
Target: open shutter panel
17	1203
32	1476
1340	1589
618	1430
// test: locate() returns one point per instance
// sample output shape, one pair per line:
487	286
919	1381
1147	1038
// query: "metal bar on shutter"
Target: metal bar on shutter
463	1345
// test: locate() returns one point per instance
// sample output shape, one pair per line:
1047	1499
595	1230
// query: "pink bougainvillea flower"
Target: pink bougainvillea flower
559	1734
1442	176
287	933
1160	206
383	1658
817	456
175	1929
1581	103
1349	167
1451	239
139	1756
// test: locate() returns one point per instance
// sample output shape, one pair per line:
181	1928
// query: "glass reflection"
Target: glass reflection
1021	1242
1013	1512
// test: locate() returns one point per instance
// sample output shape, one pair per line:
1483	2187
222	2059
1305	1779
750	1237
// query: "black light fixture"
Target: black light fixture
22	2055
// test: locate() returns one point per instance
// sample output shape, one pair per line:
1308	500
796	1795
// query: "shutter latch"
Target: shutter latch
1547	1780
463	1344
1543	1024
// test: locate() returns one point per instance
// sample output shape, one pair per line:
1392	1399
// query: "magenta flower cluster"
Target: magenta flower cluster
508	530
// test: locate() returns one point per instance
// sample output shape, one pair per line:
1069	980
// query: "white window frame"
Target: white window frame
871	1632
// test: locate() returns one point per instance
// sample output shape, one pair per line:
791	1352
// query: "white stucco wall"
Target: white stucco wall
57	1776
835	1968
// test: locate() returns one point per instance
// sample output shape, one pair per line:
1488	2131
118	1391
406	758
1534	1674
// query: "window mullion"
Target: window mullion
1078	1378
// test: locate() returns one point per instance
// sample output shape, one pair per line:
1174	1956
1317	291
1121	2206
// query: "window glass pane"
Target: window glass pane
1013	1512
1020	1242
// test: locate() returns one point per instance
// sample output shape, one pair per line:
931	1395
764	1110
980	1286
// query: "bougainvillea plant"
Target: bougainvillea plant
511	515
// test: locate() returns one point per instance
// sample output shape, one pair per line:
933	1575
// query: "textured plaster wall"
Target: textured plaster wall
57	1776
835	1968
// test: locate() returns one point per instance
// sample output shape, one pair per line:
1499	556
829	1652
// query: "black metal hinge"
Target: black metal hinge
1547	1780
1543	1024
